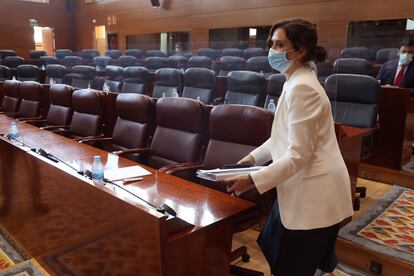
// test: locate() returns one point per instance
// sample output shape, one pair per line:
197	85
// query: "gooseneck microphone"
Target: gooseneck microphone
55	159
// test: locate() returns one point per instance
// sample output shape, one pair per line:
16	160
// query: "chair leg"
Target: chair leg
362	191
240	271
240	252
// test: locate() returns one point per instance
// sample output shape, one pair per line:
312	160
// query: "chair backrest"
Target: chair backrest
88	112
62	53
200	62
274	88
31	99
82	76
7	53
357	66
355	52
89	54
208	52
27	72
56	72
135	80
12	98
354	99
102	61
127	61
134	120
228	64
156	53
244	87
36	54
233	52
72	61
114	54
4	73
155	63
60	110
254	52
168	81
199	83
114	74
177	61
179	132
135	53
45	60
13	61
324	69
259	64
386	54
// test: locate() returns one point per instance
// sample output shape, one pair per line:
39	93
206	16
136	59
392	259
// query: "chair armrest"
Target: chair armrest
30	118
11	114
35	122
55	128
172	169
130	151
102	139
89	137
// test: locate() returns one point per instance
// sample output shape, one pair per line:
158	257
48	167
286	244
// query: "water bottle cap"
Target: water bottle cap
96	158
13	123
272	100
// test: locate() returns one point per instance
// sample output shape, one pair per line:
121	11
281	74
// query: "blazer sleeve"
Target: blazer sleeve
262	154
304	109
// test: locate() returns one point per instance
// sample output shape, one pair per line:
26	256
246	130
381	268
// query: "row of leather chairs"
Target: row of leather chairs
380	56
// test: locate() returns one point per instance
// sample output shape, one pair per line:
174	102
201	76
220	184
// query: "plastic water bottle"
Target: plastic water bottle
163	94
14	78
271	106
51	81
43	68
198	98
105	87
97	170
14	131
89	86
175	94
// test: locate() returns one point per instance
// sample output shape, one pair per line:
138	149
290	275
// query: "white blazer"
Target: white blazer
313	185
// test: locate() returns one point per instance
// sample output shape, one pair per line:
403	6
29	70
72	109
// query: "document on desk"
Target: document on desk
124	173
224	174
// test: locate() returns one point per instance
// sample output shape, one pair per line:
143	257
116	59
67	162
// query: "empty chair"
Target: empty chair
4	73
199	83
386	54
324	69
232	52
254	52
56	73
72	61
168	82
114	76
11	99
7	53
354	99
101	62
46	60
135	53
135	80
30	105
12	61
156	53
27	72
200	62
89	54
208	52
127	61
114	54
355	52
357	66
260	65
244	87
228	64
274	88
178	61
155	63
36	54
81	76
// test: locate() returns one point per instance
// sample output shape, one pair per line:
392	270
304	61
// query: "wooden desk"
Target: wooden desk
70	225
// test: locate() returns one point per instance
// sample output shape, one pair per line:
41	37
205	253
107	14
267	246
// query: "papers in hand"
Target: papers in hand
224	174
127	172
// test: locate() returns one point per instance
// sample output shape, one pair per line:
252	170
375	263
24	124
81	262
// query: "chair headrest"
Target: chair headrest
61	53
115	54
27	70
245	82
135	53
232	63
12	88
56	71
258	64
114	72
156	53
235	52
275	84
134	107
36	54
89	54
126	61
88	101
200	77
136	72
30	90
199	61
355	52
352	66
61	94
254	52
169	77
88	72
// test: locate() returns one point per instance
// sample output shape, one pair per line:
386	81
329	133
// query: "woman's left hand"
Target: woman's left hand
240	184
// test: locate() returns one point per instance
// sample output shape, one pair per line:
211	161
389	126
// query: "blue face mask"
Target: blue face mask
278	60
405	58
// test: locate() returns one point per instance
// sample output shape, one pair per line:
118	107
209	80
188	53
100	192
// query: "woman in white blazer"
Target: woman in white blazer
307	169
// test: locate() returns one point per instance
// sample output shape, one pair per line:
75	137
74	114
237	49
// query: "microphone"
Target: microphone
12	138
164	208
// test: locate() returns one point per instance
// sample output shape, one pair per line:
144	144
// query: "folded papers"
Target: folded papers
224	174
126	172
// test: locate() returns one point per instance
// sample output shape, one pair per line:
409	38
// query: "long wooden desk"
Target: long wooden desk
73	227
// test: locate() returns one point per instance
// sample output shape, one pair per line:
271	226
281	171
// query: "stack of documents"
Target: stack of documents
224	174
125	173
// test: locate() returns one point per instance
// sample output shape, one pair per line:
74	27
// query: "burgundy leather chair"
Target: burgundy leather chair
12	98
31	104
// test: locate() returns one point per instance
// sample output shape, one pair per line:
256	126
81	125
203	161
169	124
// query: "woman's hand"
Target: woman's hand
240	184
248	159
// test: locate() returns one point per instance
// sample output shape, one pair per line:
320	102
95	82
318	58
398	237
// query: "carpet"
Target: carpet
26	268
9	256
387	227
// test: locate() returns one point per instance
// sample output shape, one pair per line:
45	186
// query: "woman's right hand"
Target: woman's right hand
248	159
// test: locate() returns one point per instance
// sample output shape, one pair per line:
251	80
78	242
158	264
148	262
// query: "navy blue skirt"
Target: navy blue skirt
297	252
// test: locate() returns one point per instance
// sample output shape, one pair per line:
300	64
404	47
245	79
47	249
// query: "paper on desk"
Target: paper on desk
224	174
127	172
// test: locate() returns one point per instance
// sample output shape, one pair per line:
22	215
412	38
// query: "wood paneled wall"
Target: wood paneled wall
17	34
198	16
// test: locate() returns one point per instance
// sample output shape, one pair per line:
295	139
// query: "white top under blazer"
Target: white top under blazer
307	169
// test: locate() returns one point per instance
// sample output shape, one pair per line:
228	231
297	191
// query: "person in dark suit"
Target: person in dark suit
400	72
